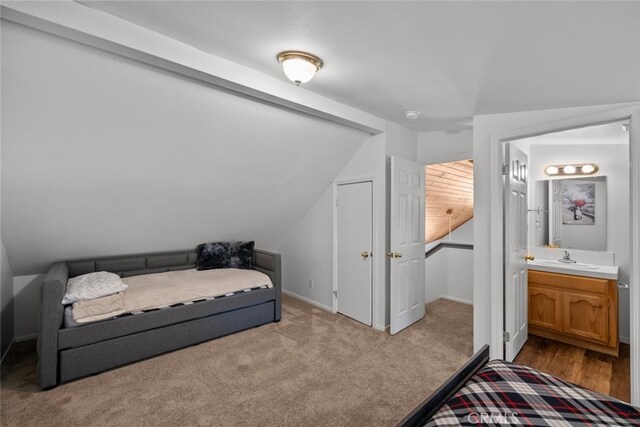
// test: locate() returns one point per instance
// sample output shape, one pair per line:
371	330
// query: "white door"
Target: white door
406	252
515	295
355	220
555	212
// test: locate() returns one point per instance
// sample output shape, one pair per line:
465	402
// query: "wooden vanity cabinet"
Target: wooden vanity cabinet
578	310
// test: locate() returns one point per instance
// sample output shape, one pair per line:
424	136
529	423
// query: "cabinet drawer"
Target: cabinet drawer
573	283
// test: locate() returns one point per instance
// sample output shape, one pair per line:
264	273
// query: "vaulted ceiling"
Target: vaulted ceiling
447	186
448	60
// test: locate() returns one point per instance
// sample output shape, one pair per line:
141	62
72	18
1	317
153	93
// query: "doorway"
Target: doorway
354	284
577	214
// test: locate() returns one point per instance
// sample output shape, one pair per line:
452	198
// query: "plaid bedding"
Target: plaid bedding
503	393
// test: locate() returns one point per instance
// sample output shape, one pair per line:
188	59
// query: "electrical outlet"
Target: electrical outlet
311	283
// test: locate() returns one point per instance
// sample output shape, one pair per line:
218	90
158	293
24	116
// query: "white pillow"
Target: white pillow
92	285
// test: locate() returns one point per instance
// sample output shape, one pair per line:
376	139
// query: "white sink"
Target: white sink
573	265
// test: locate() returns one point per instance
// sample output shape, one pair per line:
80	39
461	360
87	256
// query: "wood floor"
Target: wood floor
586	368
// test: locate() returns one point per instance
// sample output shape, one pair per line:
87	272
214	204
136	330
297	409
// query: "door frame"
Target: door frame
498	222
374	238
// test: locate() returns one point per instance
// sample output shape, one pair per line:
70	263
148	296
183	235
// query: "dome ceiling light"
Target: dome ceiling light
299	67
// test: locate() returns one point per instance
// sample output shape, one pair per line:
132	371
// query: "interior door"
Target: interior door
355	221
515	295
555	214
406	243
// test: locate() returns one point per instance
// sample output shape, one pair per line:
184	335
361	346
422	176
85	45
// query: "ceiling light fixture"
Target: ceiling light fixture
299	67
412	114
573	170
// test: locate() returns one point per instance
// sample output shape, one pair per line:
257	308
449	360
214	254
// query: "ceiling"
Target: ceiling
448	60
605	134
447	186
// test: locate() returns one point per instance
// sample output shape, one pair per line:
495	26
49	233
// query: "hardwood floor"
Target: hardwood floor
586	368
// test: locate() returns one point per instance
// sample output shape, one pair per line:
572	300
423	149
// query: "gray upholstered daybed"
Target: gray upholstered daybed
69	353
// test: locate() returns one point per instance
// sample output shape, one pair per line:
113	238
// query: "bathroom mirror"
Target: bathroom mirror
569	213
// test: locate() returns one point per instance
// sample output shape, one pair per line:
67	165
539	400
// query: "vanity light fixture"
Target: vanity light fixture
299	67
571	170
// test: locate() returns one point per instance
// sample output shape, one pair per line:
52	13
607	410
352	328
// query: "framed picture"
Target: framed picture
578	203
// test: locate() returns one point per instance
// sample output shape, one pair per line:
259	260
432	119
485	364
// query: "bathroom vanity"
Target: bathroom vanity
574	305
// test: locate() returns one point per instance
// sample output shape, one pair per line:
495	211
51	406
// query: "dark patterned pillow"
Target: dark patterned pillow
240	255
213	255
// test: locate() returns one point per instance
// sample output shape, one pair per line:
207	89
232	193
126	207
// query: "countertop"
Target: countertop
603	272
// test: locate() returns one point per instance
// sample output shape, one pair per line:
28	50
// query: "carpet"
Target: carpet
312	368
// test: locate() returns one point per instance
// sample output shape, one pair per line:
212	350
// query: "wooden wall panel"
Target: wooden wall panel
447	186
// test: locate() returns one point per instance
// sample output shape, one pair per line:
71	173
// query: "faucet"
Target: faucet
567	258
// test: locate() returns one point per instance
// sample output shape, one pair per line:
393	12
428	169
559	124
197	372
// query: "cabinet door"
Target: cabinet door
586	316
545	308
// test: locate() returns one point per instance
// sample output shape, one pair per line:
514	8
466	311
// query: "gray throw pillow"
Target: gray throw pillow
225	255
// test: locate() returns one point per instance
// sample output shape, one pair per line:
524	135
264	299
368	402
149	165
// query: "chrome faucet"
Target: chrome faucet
567	258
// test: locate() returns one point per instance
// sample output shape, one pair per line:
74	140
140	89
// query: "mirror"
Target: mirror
569	213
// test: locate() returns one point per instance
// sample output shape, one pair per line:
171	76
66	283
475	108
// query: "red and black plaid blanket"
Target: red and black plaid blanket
503	393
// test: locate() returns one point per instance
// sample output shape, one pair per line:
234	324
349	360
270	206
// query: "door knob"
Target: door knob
529	257
394	254
364	255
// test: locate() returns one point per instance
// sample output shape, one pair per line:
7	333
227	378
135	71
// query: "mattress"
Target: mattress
505	393
168	289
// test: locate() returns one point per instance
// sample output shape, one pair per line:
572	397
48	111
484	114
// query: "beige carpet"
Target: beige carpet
312	368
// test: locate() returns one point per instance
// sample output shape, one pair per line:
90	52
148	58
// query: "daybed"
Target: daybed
496	392
67	353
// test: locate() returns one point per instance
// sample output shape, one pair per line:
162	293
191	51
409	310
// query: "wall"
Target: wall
449	271
26	291
444	146
462	234
126	158
309	246
484	128
613	160
449	274
303	263
6	302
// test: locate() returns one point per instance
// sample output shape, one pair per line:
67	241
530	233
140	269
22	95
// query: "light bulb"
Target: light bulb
298	70
569	169
551	170
587	169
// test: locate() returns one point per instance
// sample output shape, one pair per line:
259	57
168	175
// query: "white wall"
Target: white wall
462	234
449	274
6	302
309	246
483	129
449	271
104	156
613	160
302	263
444	146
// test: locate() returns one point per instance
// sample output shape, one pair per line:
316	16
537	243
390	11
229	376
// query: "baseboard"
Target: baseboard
382	328
307	300
7	352
26	338
463	301
624	340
